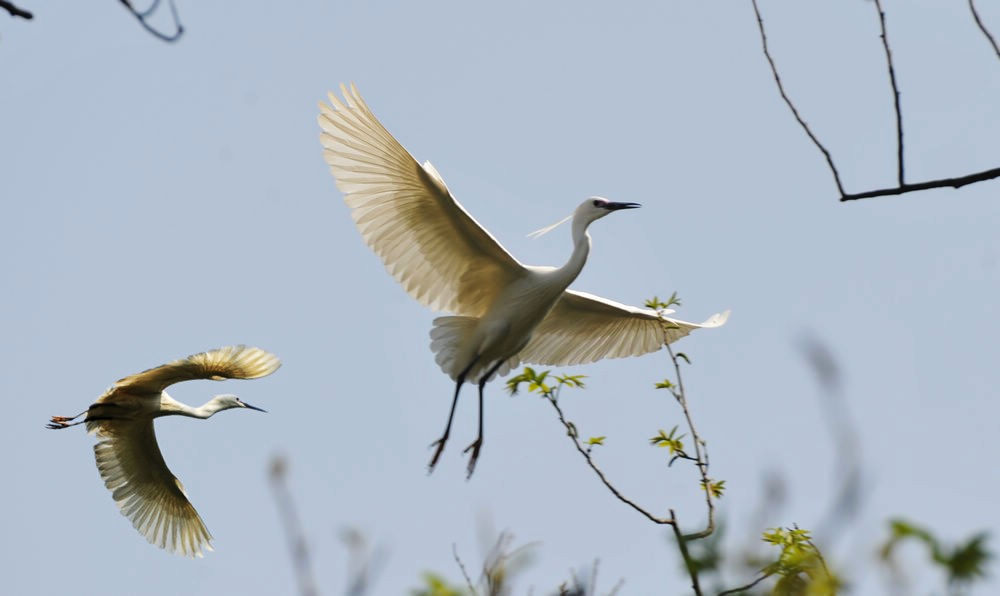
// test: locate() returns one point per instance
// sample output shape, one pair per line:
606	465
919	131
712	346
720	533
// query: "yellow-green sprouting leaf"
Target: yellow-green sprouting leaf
665	384
571	380
596	440
669	440
714	487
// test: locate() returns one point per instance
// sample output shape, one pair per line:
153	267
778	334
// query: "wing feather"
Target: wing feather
231	362
583	328
405	213
146	492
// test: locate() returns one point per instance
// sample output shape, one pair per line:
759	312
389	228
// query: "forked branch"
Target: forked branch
902	187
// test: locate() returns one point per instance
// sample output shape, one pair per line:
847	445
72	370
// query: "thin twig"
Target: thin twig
895	92
689	564
465	574
15	11
700	452
791	106
141	16
293	528
982	27
571	432
746	587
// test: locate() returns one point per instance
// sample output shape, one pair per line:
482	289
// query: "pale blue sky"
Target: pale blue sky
160	200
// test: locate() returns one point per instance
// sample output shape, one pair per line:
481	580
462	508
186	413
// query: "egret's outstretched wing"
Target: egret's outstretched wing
406	214
231	362
584	328
133	469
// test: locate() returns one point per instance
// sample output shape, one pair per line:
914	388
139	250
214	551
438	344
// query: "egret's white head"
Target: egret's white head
228	401
589	211
595	208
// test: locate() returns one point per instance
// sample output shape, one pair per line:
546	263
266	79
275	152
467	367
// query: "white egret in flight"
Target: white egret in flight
505	312
128	457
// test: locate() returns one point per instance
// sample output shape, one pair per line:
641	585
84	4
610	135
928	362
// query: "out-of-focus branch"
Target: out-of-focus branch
746	587
15	11
902	188
465	574
143	15
293	528
982	27
689	563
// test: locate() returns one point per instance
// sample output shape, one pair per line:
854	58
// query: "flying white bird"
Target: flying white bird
505	312
128	457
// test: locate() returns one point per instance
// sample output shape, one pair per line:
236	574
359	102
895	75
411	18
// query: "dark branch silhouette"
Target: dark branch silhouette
895	91
791	106
15	11
982	27
143	15
903	187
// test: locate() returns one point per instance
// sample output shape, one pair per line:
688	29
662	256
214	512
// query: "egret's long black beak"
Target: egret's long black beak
611	206
246	405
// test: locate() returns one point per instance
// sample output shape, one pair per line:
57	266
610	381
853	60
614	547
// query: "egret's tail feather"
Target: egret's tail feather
447	335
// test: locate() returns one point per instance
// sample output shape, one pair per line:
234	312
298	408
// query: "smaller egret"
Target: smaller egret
128	457
504	312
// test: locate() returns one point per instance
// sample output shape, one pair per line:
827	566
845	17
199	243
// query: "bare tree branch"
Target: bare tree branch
902	188
982	27
788	102
895	92
15	11
142	17
941	183
571	432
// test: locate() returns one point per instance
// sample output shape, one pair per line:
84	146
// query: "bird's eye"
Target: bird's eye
598	203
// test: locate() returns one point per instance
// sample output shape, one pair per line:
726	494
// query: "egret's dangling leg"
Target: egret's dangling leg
478	443
64	421
447	429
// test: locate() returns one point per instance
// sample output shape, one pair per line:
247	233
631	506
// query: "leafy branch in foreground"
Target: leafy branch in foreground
800	567
550	388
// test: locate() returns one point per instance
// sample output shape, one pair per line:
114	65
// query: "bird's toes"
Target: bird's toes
437	453
474	447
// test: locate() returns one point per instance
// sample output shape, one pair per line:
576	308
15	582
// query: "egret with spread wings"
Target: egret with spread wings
504	312
128	457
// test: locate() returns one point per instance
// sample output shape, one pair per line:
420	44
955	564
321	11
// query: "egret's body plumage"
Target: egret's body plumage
127	453
504	312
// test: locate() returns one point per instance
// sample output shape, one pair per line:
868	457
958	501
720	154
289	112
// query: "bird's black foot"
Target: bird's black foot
437	452
474	447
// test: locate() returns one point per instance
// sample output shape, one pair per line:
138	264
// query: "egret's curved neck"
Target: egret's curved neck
171	407
581	248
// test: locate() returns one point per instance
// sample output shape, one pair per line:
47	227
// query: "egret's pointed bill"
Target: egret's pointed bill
246	405
611	206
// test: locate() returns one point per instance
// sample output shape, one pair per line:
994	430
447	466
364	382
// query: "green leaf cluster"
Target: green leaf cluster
537	382
657	304
963	563
671	441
